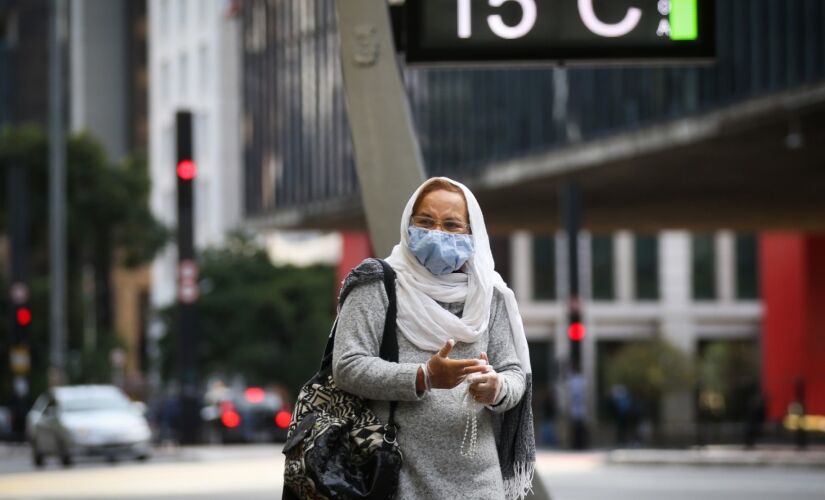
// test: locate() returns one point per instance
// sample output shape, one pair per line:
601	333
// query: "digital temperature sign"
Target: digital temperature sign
502	31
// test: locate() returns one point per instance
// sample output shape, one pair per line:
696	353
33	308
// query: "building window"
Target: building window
183	73
500	246
544	267
747	271
164	18
601	262
182	14
203	69
165	82
204	9
646	266
704	266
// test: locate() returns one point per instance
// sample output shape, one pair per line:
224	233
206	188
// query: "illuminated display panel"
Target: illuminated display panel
480	31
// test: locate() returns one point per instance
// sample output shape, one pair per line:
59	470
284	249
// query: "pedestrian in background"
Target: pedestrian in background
463	379
577	394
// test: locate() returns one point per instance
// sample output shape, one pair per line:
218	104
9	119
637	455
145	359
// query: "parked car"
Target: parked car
87	420
251	415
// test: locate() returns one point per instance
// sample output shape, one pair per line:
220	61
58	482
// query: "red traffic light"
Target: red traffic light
24	316
187	170
282	419
575	331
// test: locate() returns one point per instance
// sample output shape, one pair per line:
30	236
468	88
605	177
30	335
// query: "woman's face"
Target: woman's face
441	205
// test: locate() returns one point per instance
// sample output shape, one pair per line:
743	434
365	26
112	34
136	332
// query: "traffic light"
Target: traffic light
23	315
19	311
187	170
575	332
575	328
186	173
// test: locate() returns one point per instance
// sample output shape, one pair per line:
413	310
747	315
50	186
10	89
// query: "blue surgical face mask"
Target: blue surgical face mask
440	252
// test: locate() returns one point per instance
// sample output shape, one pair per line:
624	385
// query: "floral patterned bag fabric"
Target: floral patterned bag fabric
336	447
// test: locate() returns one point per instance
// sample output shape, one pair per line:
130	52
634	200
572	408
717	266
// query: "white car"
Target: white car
87	420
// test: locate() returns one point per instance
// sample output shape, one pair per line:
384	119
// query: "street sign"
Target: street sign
19	360
507	31
19	293
188	291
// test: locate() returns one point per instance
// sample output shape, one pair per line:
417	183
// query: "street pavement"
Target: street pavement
255	472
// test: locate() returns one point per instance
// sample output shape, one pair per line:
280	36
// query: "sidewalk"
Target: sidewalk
773	456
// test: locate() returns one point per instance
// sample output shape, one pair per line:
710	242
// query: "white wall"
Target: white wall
194	64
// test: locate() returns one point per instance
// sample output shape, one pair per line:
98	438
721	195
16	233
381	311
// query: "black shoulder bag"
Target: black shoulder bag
336	447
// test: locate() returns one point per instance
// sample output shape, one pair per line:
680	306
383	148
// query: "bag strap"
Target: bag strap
389	339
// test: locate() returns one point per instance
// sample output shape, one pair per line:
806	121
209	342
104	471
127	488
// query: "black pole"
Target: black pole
571	214
570	199
189	419
20	315
801	436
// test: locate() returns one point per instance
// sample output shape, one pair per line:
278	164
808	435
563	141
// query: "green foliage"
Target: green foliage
650	369
728	374
264	322
107	203
108	223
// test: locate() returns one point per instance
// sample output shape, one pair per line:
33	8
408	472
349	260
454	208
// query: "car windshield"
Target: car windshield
92	399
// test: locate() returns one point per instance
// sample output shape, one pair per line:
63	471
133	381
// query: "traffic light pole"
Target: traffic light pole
571	213
19	312
187	346
57	197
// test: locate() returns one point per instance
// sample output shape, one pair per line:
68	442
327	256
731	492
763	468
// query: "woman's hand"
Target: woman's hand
484	388
447	373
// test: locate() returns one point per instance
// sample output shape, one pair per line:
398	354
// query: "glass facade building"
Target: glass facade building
298	153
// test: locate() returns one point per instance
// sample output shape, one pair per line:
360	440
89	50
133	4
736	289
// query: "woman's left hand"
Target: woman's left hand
485	387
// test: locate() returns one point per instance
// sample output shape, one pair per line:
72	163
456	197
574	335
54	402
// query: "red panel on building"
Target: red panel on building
792	267
356	247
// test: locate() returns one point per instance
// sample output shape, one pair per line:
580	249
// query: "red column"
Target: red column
792	271
356	247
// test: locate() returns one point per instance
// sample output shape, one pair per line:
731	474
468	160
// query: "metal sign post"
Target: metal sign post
186	171
57	197
387	155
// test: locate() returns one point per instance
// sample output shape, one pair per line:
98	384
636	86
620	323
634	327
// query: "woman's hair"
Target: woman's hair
438	185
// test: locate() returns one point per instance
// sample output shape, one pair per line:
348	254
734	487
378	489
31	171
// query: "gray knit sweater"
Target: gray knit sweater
430	427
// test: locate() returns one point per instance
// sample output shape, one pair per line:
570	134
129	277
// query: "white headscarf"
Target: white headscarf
426	324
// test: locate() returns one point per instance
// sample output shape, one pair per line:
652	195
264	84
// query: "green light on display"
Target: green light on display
684	23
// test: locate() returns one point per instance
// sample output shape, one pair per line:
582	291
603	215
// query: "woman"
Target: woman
463	377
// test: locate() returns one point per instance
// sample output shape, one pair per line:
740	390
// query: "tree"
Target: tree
108	223
728	374
650	369
264	322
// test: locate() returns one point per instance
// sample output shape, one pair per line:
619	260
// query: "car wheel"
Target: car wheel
37	457
214	435
66	457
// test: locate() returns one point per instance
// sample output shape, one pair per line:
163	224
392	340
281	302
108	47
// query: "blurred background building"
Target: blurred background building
106	86
699	184
702	184
194	57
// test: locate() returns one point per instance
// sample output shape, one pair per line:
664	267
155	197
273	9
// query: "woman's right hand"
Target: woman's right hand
447	373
